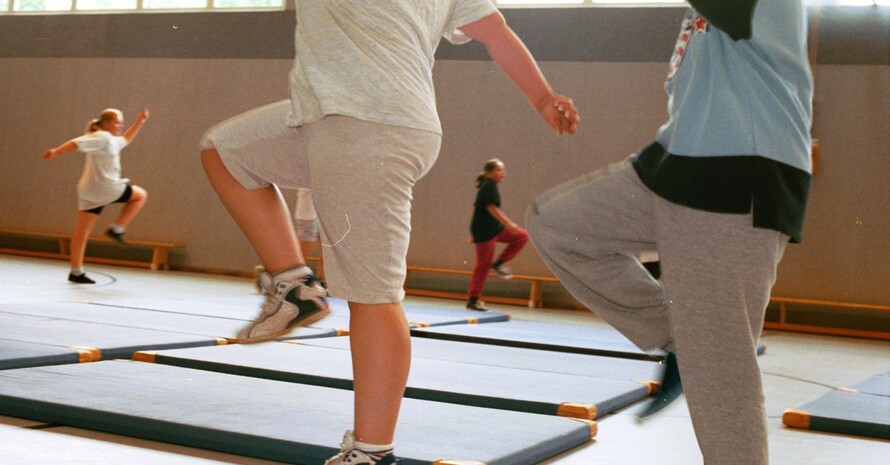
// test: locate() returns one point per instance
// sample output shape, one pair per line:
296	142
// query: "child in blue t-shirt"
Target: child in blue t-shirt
718	195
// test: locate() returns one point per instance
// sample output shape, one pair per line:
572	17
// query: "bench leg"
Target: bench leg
536	298
65	246
160	258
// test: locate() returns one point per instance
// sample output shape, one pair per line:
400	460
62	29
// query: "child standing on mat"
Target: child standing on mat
489	226
101	183
718	195
360	129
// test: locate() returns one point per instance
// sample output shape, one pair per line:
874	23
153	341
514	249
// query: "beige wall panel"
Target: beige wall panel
46	101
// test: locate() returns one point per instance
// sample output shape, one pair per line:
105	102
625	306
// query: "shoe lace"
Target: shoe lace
348	453
273	298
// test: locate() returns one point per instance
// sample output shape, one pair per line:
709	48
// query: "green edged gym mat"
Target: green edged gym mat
544	336
44	444
273	420
36	334
587	394
19	354
417	315
247	308
577	339
860	410
92	341
545	361
215	321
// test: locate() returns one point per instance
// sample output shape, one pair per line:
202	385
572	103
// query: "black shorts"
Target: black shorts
128	192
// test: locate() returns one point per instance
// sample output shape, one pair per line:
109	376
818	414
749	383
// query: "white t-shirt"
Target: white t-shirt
373	60
101	182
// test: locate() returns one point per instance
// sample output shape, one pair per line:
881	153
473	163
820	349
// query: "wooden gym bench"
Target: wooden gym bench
535	297
160	259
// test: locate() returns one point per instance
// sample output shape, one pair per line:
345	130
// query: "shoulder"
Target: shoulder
733	17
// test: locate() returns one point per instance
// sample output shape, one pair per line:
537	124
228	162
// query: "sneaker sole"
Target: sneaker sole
293	324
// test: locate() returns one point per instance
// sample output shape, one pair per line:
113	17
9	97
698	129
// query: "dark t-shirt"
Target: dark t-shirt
485	227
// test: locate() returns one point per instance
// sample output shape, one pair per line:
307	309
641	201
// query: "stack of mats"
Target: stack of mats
289	401
860	410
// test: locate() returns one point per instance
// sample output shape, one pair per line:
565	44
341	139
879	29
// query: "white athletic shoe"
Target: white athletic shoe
349	455
503	271
288	305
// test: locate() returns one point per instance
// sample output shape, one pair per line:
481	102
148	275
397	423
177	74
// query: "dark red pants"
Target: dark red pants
485	254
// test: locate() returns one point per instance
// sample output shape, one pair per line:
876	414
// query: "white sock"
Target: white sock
376	451
294	274
118	229
77	271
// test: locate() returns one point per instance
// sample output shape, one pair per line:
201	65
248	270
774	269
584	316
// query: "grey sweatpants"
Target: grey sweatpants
717	272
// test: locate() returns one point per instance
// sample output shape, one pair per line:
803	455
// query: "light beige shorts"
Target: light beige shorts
362	175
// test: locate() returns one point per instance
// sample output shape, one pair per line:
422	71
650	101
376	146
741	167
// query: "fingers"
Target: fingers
569	117
560	113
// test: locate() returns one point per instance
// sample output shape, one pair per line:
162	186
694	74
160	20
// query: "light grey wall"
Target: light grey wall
46	97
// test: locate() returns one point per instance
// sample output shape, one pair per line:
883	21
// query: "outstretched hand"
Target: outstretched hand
49	154
560	113
143	115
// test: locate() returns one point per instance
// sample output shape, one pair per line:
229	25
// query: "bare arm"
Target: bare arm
510	53
131	132
69	146
499	214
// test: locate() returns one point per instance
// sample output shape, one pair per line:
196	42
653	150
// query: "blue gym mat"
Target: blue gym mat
247	308
268	419
860	410
174	320
578	395
20	354
102	341
519	358
60	445
578	339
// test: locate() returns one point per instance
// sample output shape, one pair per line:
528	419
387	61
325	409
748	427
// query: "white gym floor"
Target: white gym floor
797	368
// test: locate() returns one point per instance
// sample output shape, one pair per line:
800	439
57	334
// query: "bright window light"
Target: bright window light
41	5
106	4
173	4
539	2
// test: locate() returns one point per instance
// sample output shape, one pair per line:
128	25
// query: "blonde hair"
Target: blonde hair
487	168
107	115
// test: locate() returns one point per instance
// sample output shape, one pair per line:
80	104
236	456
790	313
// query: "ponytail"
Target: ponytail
92	126
487	168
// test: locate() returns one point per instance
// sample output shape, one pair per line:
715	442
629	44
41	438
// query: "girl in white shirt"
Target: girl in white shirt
101	183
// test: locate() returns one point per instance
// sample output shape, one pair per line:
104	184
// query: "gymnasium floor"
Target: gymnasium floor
797	369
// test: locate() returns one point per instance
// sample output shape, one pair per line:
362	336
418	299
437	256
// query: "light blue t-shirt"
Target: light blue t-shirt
746	97
740	105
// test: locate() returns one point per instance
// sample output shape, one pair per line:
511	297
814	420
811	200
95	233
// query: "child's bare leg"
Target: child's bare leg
261	214
82	229
381	359
132	207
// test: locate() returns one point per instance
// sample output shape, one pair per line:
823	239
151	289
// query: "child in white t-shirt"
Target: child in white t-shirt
101	183
360	129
